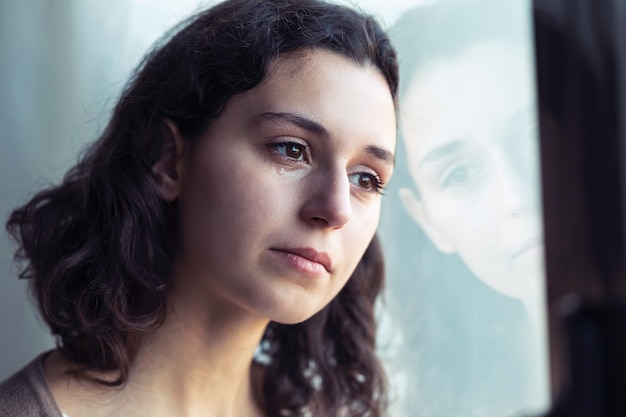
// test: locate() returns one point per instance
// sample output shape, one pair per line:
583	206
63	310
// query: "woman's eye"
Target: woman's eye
462	177
457	177
366	181
292	150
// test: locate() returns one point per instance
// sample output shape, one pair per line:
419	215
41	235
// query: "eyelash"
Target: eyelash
286	145
377	186
470	175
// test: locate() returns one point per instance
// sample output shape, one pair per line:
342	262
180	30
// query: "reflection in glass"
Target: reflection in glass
466	248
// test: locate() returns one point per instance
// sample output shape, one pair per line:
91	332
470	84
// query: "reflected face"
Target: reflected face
470	130
280	197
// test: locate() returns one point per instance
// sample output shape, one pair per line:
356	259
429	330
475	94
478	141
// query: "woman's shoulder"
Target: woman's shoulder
26	393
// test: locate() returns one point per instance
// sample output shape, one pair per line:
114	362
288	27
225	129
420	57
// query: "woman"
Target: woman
469	183
213	253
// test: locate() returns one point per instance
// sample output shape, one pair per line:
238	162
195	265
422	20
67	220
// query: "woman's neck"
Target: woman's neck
197	363
201	363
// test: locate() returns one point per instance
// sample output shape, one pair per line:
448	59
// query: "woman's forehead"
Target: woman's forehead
465	97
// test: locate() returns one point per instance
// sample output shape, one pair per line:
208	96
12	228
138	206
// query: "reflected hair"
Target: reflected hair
98	247
443	30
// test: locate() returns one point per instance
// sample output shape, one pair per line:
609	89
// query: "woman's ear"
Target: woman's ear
416	210
167	172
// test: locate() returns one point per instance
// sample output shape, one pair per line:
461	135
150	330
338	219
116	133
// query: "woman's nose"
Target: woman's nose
327	201
515	191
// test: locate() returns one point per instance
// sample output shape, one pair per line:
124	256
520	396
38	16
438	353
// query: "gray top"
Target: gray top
27	394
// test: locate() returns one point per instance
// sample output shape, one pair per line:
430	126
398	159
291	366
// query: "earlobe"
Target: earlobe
416	210
167	171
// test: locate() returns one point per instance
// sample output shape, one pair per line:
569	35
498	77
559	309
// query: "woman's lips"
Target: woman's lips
306	260
530	244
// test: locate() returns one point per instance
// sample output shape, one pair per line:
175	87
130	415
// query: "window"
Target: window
462	225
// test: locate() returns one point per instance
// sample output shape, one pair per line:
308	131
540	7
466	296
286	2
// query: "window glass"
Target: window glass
462	323
462	226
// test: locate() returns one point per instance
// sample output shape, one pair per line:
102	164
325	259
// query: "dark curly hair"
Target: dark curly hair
98	247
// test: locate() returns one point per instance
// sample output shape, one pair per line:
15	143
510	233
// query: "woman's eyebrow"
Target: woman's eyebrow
382	154
298	120
319	130
439	152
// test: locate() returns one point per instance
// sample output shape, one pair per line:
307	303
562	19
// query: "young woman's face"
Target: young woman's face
470	130
280	197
